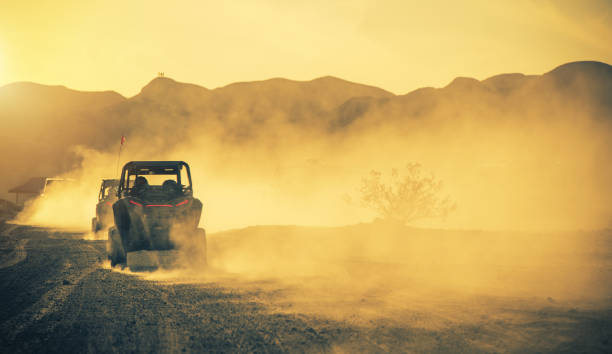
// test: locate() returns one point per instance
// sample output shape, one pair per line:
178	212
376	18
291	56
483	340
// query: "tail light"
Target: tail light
183	202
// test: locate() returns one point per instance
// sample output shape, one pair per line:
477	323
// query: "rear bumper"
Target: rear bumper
152	260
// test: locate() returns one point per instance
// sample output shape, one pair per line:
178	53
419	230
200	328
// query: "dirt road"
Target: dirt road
58	294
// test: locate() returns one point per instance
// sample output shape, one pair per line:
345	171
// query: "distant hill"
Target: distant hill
16	97
240	109
43	123
584	88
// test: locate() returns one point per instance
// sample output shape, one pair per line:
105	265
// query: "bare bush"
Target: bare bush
405	197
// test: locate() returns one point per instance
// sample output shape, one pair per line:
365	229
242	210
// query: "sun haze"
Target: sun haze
395	45
364	176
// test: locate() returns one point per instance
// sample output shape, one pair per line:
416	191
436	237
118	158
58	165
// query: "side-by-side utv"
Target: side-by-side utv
155	216
104	209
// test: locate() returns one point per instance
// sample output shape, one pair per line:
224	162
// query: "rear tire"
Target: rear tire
95	226
115	248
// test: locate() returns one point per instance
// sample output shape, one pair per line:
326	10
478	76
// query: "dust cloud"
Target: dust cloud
379	270
69	204
531	181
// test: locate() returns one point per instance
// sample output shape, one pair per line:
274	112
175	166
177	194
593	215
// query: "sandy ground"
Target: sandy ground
58	293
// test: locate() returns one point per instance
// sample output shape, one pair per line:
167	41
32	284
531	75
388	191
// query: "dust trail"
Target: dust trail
378	271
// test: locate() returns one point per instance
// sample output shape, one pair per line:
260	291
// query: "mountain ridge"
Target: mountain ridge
570	68
46	120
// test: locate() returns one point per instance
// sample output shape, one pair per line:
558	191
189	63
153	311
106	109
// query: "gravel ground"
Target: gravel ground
58	294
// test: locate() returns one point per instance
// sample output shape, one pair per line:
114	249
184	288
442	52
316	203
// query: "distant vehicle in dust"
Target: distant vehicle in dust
104	209
36	187
155	216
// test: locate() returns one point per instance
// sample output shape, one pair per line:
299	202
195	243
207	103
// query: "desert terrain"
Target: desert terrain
280	289
296	261
349	176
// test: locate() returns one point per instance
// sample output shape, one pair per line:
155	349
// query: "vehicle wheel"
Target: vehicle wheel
201	237
94	225
115	248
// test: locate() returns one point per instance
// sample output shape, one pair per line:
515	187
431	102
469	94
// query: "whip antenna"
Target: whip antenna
119	155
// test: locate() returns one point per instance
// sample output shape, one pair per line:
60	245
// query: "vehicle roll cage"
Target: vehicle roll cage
107	183
145	168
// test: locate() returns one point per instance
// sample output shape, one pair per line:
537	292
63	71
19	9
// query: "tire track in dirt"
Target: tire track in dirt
51	301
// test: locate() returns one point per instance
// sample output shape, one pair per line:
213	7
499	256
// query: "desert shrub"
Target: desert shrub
405	196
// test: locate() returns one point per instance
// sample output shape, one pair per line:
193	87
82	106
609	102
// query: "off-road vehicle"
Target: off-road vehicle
156	216
104	209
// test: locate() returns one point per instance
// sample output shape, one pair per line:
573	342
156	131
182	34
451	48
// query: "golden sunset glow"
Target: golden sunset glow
396	45
351	176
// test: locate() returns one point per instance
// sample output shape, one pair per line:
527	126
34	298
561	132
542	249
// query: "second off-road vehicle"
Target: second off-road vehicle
155	216
104	209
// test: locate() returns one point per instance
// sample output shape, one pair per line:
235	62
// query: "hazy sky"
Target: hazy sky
396	45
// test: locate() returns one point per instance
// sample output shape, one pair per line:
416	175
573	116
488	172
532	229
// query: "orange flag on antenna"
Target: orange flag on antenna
122	139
